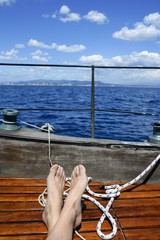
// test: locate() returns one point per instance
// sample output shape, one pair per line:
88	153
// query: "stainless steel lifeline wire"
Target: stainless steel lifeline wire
111	192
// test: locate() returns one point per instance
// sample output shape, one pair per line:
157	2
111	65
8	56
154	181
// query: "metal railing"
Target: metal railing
92	109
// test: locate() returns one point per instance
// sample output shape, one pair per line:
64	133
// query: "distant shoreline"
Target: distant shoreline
48	85
75	85
53	83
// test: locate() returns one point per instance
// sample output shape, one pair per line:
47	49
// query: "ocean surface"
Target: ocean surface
108	125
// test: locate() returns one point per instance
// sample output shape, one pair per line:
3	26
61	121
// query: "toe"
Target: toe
75	172
82	170
54	168
61	173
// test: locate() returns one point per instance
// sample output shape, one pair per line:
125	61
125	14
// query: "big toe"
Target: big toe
54	168
82	170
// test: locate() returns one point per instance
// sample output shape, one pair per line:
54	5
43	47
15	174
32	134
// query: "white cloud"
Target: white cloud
40	56
11	55
61	48
6	2
147	30
64	10
39	52
114	76
153	18
35	43
8	55
143	58
72	48
96	59
95	16
126	76
19	45
48	15
54	15
72	17
67	16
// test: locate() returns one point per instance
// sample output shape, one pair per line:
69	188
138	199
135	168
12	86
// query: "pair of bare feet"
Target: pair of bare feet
60	219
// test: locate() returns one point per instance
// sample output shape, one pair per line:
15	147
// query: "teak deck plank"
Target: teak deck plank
138	234
33	196
19	206
137	212
139	222
25	216
87	235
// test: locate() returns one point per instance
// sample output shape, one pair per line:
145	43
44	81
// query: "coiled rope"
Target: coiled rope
111	192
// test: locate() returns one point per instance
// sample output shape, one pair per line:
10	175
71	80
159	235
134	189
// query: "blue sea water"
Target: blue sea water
108	125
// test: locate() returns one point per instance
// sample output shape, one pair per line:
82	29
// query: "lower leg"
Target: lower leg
71	213
55	188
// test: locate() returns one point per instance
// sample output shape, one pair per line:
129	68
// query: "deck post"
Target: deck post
92	103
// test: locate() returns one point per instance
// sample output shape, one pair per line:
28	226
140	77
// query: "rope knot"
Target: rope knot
113	190
47	127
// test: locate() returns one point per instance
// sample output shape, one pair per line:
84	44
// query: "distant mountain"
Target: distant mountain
55	83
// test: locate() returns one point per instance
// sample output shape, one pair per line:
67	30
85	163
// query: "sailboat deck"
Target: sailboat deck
136	210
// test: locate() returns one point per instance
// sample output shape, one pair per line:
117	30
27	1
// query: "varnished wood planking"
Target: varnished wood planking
22	182
145	234
94	236
87	235
22	189
25	237
21	213
22	228
140	222
33	196
13	197
140	211
24	216
137	202
9	206
38	227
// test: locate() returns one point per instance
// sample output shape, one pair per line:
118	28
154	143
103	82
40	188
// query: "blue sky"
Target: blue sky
99	32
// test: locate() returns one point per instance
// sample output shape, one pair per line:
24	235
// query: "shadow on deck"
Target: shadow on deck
136	210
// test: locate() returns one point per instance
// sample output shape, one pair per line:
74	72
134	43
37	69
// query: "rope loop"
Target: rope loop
111	192
48	127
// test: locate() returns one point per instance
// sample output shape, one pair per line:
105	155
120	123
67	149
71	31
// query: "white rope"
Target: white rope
7	122
47	128
111	192
51	128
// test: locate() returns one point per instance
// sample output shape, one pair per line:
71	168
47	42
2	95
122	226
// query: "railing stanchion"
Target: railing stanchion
92	103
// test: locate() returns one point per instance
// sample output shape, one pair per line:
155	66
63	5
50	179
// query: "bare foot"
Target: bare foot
55	188
79	181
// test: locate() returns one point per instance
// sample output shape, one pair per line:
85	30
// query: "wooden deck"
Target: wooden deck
137	212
